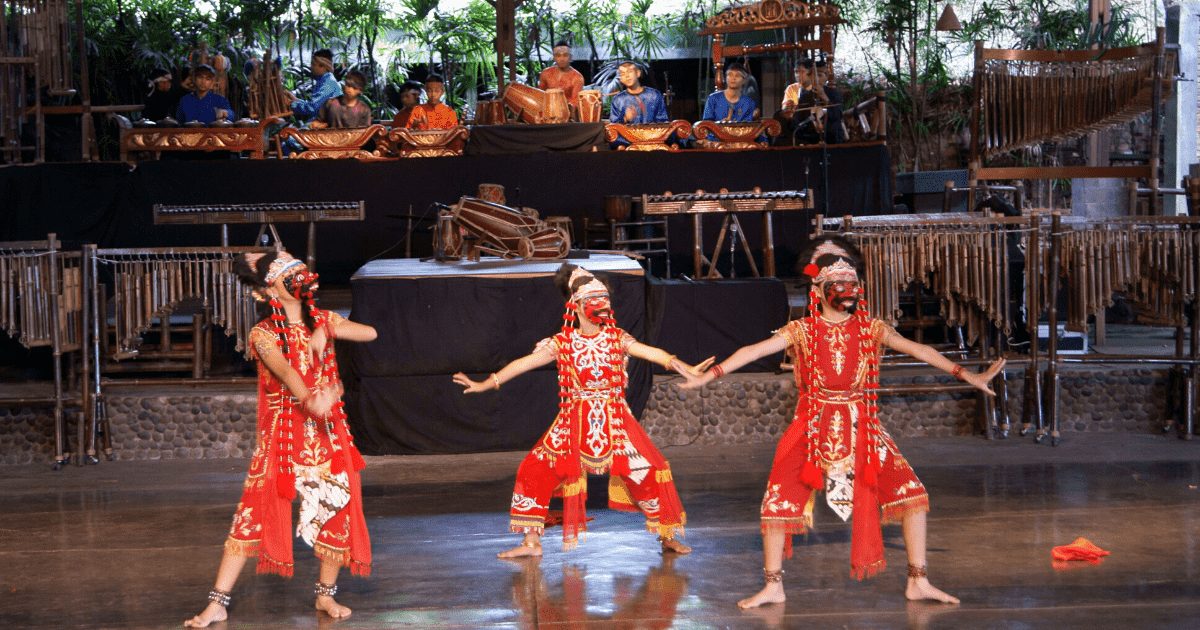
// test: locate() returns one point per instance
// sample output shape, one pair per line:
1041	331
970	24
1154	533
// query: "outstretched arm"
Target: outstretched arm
347	330
667	360
739	359
338	328
536	359
922	352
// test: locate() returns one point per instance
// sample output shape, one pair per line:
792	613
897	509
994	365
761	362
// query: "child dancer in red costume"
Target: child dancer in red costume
835	442
304	446
594	432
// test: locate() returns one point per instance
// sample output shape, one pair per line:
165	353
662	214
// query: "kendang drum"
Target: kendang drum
557	109
535	106
618	207
493	193
589	106
490	113
507	232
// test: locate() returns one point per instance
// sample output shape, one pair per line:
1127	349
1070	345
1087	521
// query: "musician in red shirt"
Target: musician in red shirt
433	114
562	76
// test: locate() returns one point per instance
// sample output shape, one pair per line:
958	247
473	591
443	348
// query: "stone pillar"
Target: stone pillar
1179	124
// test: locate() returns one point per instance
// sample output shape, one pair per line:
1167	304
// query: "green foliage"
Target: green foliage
922	70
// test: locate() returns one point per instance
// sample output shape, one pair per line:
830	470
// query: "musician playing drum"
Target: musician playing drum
562	76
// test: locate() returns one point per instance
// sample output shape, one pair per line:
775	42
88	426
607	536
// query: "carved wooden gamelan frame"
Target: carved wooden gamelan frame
814	24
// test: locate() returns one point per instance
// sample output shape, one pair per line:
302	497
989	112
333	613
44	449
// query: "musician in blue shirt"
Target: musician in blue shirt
324	88
730	104
636	104
203	105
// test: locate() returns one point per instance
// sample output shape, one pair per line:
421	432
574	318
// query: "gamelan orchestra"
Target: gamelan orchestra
561	278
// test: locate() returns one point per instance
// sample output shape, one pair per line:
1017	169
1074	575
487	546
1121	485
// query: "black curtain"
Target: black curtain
110	204
400	397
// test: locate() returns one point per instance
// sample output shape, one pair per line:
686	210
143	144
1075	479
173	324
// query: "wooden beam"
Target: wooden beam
1061	172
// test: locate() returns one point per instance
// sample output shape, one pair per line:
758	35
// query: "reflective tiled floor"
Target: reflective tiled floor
135	545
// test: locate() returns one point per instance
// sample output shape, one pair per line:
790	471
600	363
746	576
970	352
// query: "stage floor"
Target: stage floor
136	544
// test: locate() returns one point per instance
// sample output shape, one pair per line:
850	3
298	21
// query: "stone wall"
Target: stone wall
739	409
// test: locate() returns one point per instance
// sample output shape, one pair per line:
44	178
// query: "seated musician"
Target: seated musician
730	104
433	114
163	99
817	113
410	97
325	87
636	104
835	130
791	94
562	76
347	111
203	105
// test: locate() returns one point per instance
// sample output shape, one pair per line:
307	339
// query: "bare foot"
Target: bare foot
211	614
522	551
772	593
672	545
330	607
920	588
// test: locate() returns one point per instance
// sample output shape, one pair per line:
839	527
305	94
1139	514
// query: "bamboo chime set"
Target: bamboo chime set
39	29
150	283
36	31
267	96
1149	261
30	277
963	261
1049	96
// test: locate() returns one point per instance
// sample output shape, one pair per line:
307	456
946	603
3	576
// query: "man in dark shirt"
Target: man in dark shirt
163	97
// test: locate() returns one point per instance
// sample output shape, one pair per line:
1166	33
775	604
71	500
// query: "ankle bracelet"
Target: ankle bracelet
772	577
219	597
915	571
325	590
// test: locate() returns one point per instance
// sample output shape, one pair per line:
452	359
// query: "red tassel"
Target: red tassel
620	466
870	475
356	459
811	270
811	476
285	486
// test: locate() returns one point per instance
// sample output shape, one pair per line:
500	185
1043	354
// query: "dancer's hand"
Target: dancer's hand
695	380
472	387
320	403
981	380
317	344
696	370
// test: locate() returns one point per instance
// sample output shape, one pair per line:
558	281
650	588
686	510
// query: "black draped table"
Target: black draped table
518	138
435	319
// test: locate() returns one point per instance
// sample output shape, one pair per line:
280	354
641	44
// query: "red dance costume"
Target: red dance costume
836	443
297	453
594	432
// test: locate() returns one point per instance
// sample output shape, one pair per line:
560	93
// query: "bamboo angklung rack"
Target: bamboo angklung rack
1026	97
41	306
1153	261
